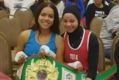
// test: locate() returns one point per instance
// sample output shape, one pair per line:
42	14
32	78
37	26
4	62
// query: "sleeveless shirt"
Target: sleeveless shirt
77	54
32	45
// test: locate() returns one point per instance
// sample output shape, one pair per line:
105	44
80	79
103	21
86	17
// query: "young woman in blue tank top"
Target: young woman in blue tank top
44	32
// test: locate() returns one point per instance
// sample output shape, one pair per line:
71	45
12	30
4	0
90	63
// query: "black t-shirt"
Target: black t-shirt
93	11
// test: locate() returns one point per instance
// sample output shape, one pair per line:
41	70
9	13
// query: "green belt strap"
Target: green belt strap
66	73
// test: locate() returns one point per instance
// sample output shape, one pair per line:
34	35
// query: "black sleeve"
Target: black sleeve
116	55
89	15
93	57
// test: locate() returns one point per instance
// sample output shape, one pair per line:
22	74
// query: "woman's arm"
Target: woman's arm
60	48
20	45
93	57
22	40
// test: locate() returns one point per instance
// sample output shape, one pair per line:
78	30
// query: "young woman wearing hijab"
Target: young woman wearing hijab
79	44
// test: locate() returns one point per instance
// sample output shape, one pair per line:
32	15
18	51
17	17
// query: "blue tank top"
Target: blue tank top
32	45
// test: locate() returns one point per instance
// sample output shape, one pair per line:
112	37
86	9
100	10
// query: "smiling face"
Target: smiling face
46	18
70	22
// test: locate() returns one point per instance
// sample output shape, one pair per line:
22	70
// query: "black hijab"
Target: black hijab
76	36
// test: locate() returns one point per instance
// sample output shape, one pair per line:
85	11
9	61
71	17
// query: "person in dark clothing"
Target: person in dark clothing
96	9
79	44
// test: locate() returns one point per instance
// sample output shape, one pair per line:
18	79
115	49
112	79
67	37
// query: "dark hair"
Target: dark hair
55	27
55	1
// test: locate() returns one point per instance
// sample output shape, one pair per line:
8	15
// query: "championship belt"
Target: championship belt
36	68
47	68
